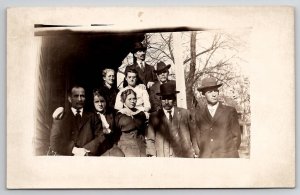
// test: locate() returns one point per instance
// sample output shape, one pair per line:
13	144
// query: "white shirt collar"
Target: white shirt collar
74	110
212	109
140	63
167	112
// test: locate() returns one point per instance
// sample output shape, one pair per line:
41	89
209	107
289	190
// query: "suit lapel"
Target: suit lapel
207	114
176	116
83	120
146	66
71	119
163	116
219	112
138	68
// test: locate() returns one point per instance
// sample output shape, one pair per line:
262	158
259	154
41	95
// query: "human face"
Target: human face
130	101
163	76
109	77
140	55
77	98
167	102
99	103
212	96
131	79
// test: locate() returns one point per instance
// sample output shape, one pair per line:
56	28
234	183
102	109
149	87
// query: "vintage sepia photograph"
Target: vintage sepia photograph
192	97
125	88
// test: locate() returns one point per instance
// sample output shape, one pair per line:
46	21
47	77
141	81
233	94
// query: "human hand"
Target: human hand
58	113
142	86
106	130
79	151
149	84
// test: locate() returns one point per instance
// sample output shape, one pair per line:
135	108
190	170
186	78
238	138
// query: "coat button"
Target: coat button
211	129
211	140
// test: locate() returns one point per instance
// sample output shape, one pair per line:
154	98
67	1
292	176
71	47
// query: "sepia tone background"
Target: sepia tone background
272	150
65	57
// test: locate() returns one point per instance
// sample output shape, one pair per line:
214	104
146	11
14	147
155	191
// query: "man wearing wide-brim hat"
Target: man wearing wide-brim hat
145	72
219	134
162	72
170	129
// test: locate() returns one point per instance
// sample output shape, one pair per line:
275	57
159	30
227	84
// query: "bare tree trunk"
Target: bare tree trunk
191	75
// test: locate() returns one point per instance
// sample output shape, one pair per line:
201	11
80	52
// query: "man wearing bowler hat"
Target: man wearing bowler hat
145	72
162	72
170	129
219	134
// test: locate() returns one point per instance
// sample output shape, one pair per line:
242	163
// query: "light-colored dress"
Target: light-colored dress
142	96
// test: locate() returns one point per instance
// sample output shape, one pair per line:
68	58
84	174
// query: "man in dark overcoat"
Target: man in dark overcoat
219	134
170	129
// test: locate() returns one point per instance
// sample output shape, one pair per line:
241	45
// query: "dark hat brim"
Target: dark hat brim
207	87
166	94
161	70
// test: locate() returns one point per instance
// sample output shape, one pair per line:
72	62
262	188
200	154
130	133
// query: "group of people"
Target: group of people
142	119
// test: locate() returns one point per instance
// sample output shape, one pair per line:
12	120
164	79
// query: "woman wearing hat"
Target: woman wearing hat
217	125
171	128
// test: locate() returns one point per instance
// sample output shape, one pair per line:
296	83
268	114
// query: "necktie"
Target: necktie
78	118
142	66
170	116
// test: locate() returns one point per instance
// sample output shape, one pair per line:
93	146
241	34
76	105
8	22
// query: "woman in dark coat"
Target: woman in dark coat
105	116
109	87
132	124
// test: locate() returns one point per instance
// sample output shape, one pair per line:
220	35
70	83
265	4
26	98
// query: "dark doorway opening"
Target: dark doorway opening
69	58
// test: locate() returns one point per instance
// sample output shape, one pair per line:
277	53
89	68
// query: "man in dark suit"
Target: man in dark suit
75	133
145	72
219	134
162	72
170	129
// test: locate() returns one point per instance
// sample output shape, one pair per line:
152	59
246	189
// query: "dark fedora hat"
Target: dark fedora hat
209	83
161	67
168	88
138	46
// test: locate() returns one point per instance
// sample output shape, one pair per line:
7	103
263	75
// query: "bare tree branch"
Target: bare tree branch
199	54
158	49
